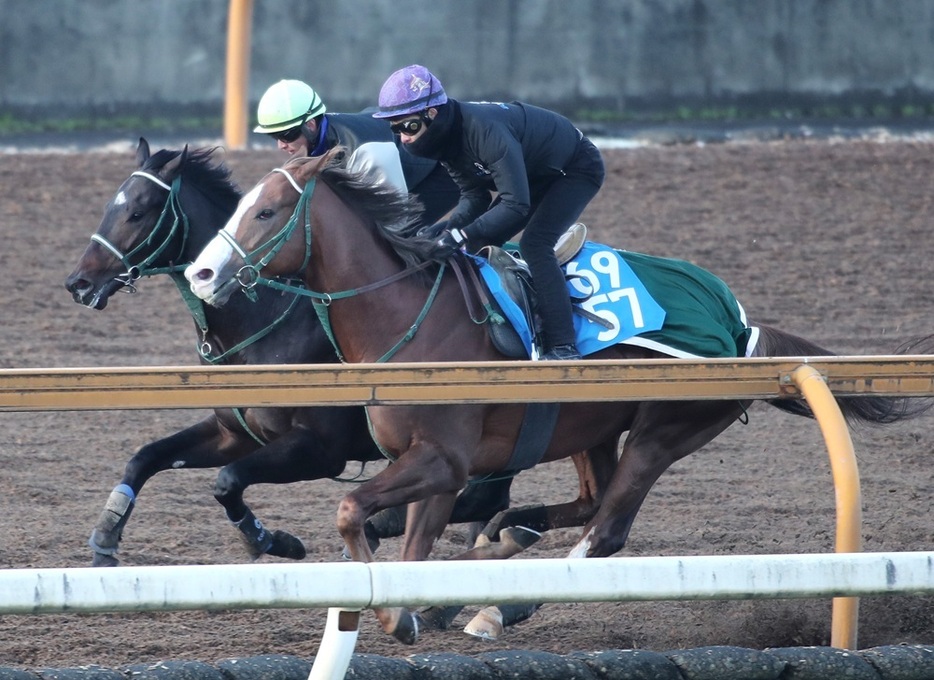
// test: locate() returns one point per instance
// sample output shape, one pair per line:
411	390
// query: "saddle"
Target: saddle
516	281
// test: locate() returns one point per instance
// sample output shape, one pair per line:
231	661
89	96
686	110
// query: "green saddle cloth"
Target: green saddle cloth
703	319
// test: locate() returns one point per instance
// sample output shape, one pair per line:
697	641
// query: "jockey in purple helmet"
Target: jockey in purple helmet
544	170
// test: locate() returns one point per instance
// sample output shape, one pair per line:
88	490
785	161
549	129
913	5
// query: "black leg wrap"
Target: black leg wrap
481	500
256	537
387	523
439	618
516	613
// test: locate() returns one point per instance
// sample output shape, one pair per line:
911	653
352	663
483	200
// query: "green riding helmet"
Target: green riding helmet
286	104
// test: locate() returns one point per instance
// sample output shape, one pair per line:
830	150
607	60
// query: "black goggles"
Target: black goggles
290	135
409	126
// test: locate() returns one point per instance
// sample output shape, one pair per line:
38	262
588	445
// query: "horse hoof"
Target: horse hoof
406	630
287	546
101	560
519	537
487	624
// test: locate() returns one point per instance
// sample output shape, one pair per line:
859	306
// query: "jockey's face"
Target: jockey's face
411	127
292	141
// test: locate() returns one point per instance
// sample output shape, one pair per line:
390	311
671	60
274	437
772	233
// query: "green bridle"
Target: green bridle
172	210
248	276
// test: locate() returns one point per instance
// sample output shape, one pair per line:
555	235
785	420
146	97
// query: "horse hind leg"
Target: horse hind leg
519	528
661	434
594	469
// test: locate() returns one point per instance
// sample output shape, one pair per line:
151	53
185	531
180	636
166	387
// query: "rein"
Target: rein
248	276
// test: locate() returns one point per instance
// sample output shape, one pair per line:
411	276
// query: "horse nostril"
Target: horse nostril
74	285
204	275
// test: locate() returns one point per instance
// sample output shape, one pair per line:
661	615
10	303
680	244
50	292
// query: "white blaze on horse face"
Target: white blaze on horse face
120	198
218	251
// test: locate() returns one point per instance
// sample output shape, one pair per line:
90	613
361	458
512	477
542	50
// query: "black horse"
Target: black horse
159	219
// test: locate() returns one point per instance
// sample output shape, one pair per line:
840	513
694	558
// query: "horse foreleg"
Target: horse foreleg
519	528
426	480
105	538
512	541
196	446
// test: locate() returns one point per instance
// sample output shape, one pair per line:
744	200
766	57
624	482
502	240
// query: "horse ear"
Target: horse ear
142	152
172	169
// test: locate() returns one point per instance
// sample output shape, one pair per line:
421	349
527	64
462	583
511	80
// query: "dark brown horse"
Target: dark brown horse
158	220
361	263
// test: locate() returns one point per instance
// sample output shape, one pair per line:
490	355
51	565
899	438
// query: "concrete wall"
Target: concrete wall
104	56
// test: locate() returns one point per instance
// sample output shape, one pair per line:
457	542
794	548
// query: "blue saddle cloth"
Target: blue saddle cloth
668	305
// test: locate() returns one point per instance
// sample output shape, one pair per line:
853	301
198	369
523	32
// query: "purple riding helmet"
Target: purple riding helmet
409	90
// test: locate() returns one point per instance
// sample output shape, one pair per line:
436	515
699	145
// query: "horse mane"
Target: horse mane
392	216
200	170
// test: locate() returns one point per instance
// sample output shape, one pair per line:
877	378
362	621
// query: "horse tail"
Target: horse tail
869	409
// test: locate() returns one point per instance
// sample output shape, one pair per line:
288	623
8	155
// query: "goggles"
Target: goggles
409	126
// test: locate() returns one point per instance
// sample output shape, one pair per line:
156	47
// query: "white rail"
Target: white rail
382	584
354	585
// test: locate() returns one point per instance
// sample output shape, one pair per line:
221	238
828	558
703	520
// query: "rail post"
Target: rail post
845	615
337	644
239	21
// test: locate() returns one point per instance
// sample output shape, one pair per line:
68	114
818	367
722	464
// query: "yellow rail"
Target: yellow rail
478	382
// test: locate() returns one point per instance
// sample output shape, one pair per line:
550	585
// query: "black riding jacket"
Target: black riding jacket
515	149
353	129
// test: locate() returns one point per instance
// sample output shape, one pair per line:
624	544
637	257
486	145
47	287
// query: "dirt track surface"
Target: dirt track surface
827	240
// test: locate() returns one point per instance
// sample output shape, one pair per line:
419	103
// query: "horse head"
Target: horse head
269	233
145	226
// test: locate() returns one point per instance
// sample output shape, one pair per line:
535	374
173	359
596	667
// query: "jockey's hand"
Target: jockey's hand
433	230
445	246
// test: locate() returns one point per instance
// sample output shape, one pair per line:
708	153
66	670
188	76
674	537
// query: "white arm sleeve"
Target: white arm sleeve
379	160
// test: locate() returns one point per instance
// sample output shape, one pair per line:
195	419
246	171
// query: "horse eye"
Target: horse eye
137	216
265	214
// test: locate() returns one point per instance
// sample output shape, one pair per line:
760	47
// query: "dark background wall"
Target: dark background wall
602	57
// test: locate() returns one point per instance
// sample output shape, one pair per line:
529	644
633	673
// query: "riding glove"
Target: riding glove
433	230
445	246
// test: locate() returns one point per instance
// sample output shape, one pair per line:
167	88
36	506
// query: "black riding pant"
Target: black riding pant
556	209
